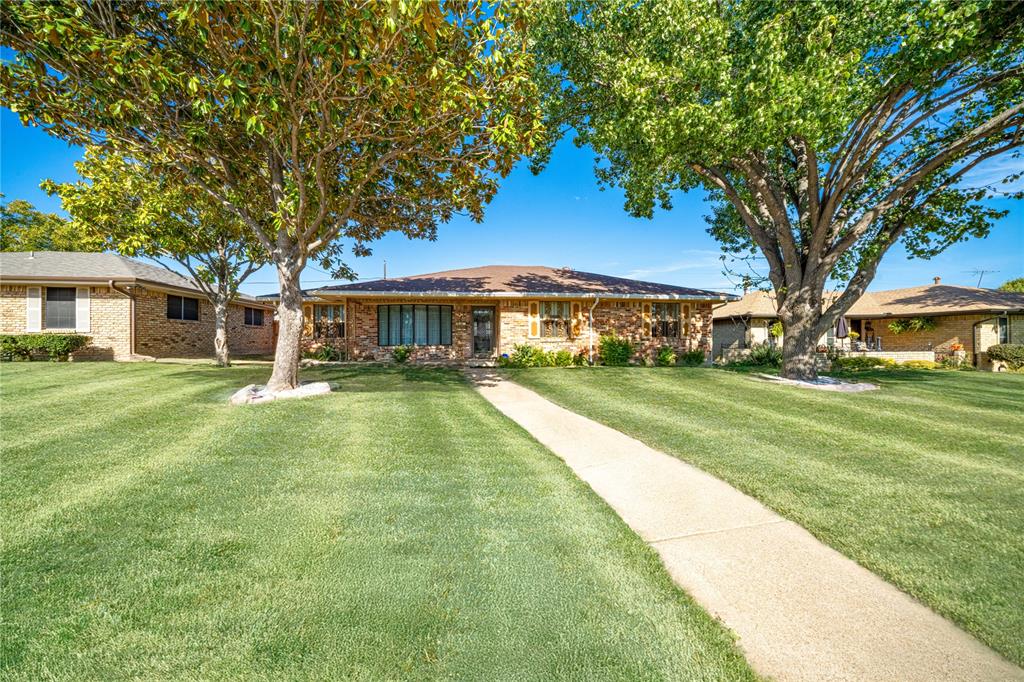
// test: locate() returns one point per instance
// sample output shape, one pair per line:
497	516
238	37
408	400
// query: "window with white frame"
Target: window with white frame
329	321
666	320
60	308
555	319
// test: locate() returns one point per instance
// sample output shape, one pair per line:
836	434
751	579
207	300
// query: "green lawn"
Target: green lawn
921	481
398	528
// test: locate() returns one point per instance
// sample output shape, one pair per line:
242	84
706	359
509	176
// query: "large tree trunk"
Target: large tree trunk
799	353
220	333
289	333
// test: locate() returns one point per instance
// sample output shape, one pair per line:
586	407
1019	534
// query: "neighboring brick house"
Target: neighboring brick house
126	307
478	314
975	318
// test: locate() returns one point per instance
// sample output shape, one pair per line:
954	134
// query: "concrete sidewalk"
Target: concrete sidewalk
801	610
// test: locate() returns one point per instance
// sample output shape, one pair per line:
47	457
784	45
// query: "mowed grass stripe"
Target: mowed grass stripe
913	481
399	528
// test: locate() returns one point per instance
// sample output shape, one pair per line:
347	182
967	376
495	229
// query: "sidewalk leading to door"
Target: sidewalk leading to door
801	610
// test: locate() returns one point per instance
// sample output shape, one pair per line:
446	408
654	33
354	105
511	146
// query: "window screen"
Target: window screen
414	325
665	320
182	308
60	307
555	318
329	321
254	317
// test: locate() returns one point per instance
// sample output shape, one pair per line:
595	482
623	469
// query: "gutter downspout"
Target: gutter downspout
590	330
131	315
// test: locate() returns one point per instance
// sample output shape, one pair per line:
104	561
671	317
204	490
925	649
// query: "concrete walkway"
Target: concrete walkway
801	610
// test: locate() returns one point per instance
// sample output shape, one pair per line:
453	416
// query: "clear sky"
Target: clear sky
557	218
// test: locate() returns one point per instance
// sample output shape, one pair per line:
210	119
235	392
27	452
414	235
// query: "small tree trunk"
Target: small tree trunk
220	334
799	347
289	333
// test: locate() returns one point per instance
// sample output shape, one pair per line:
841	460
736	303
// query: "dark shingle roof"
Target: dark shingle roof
519	281
75	265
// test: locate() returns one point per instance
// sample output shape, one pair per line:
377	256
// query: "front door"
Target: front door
483	331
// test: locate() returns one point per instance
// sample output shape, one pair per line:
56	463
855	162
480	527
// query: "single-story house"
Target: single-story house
126	307
948	315
479	314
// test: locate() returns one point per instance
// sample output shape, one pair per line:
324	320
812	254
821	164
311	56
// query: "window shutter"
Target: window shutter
534	319
307	320
577	319
647	319
33	309
82	308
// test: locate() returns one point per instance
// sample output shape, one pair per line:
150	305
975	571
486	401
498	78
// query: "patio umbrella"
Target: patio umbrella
842	331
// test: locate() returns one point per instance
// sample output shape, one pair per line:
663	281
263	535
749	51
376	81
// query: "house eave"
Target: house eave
522	295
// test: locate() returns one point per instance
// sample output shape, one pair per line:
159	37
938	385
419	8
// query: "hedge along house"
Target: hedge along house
477	314
127	308
885	323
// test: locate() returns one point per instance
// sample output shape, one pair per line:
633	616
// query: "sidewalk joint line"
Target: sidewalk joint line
716	530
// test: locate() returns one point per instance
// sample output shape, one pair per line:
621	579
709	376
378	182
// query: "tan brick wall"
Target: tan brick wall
512	327
160	337
108	321
949	329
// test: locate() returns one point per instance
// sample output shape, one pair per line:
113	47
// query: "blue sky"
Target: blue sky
557	218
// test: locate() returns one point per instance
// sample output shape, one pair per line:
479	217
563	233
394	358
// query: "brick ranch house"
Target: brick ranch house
976	318
127	308
478	314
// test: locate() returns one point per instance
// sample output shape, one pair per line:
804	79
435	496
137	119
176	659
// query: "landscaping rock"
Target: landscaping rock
822	384
256	393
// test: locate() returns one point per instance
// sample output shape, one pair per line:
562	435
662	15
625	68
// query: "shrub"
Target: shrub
692	358
666	356
920	364
859	362
401	353
580	359
764	355
776	330
614	351
57	346
562	358
525	355
1010	353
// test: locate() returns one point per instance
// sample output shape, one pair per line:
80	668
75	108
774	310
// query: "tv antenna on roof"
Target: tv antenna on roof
980	273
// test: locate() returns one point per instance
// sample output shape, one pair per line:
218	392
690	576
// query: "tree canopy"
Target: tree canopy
139	212
312	121
1014	285
824	132
24	228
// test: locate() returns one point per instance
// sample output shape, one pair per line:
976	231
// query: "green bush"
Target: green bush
1010	353
525	355
325	353
57	346
666	356
764	355
859	362
614	351
920	364
563	358
401	354
692	358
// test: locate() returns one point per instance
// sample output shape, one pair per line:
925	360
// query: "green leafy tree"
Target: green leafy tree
23	228
139	212
825	132
319	124
1013	285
